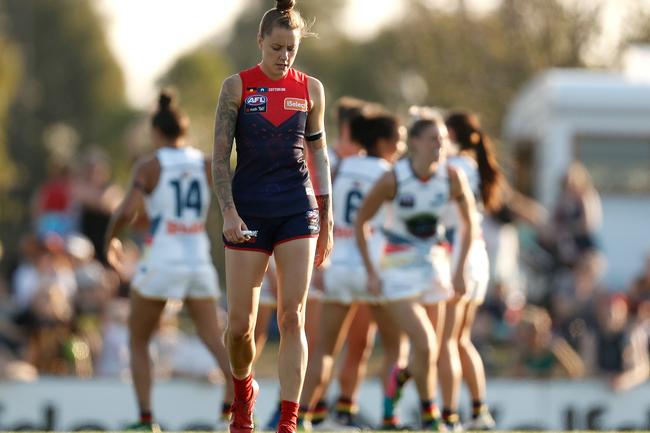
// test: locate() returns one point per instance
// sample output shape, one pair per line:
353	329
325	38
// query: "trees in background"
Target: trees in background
10	71
68	92
197	76
69	77
435	56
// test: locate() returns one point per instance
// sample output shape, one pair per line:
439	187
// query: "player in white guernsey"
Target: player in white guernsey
173	187
418	191
361	337
458	356
345	280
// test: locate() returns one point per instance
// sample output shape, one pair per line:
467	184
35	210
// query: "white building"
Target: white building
603	120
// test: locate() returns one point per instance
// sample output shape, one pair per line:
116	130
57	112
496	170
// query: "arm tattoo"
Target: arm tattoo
224	134
323	206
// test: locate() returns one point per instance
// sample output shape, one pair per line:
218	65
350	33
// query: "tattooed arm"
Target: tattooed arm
319	169
224	135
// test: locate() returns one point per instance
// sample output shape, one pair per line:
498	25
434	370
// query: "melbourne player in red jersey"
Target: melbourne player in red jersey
272	205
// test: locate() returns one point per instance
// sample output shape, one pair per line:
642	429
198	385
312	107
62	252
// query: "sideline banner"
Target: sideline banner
65	404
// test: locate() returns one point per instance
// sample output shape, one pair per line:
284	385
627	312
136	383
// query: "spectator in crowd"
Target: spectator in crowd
636	355
96	198
26	276
542	354
639	290
48	324
53	205
618	346
44	262
573	302
576	218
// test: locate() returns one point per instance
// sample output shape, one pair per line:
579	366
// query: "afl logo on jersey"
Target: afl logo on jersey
295	104
406	201
255	104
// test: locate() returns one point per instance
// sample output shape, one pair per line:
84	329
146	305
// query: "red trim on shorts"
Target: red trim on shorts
446	245
294	238
257	250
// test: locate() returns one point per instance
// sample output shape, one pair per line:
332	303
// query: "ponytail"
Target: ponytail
489	173
168	119
469	136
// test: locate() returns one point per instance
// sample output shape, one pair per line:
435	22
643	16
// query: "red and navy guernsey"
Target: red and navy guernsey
271	178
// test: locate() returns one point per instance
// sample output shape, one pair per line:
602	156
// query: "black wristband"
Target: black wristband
314	136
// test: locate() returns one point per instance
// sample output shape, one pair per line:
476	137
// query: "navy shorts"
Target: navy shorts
274	231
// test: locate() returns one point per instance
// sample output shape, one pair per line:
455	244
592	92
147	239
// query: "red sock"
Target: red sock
146	417
288	417
243	388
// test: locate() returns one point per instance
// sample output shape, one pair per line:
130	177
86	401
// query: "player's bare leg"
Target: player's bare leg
294	260
204	313
474	372
360	340
436	313
449	366
395	347
143	322
415	323
244	273
313	315
335	323
264	314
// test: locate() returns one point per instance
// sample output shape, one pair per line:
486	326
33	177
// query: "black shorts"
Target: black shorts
274	231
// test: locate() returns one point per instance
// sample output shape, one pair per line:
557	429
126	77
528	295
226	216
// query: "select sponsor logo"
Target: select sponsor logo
179	228
255	104
295	104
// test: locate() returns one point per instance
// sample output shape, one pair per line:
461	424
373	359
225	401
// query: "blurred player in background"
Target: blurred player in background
345	279
418	191
458	356
361	336
173	186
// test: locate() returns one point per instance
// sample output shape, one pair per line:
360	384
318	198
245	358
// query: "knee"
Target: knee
138	343
356	354
240	328
426	350
291	322
464	344
448	346
139	339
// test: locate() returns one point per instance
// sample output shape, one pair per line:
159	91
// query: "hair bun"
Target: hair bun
165	100
285	5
